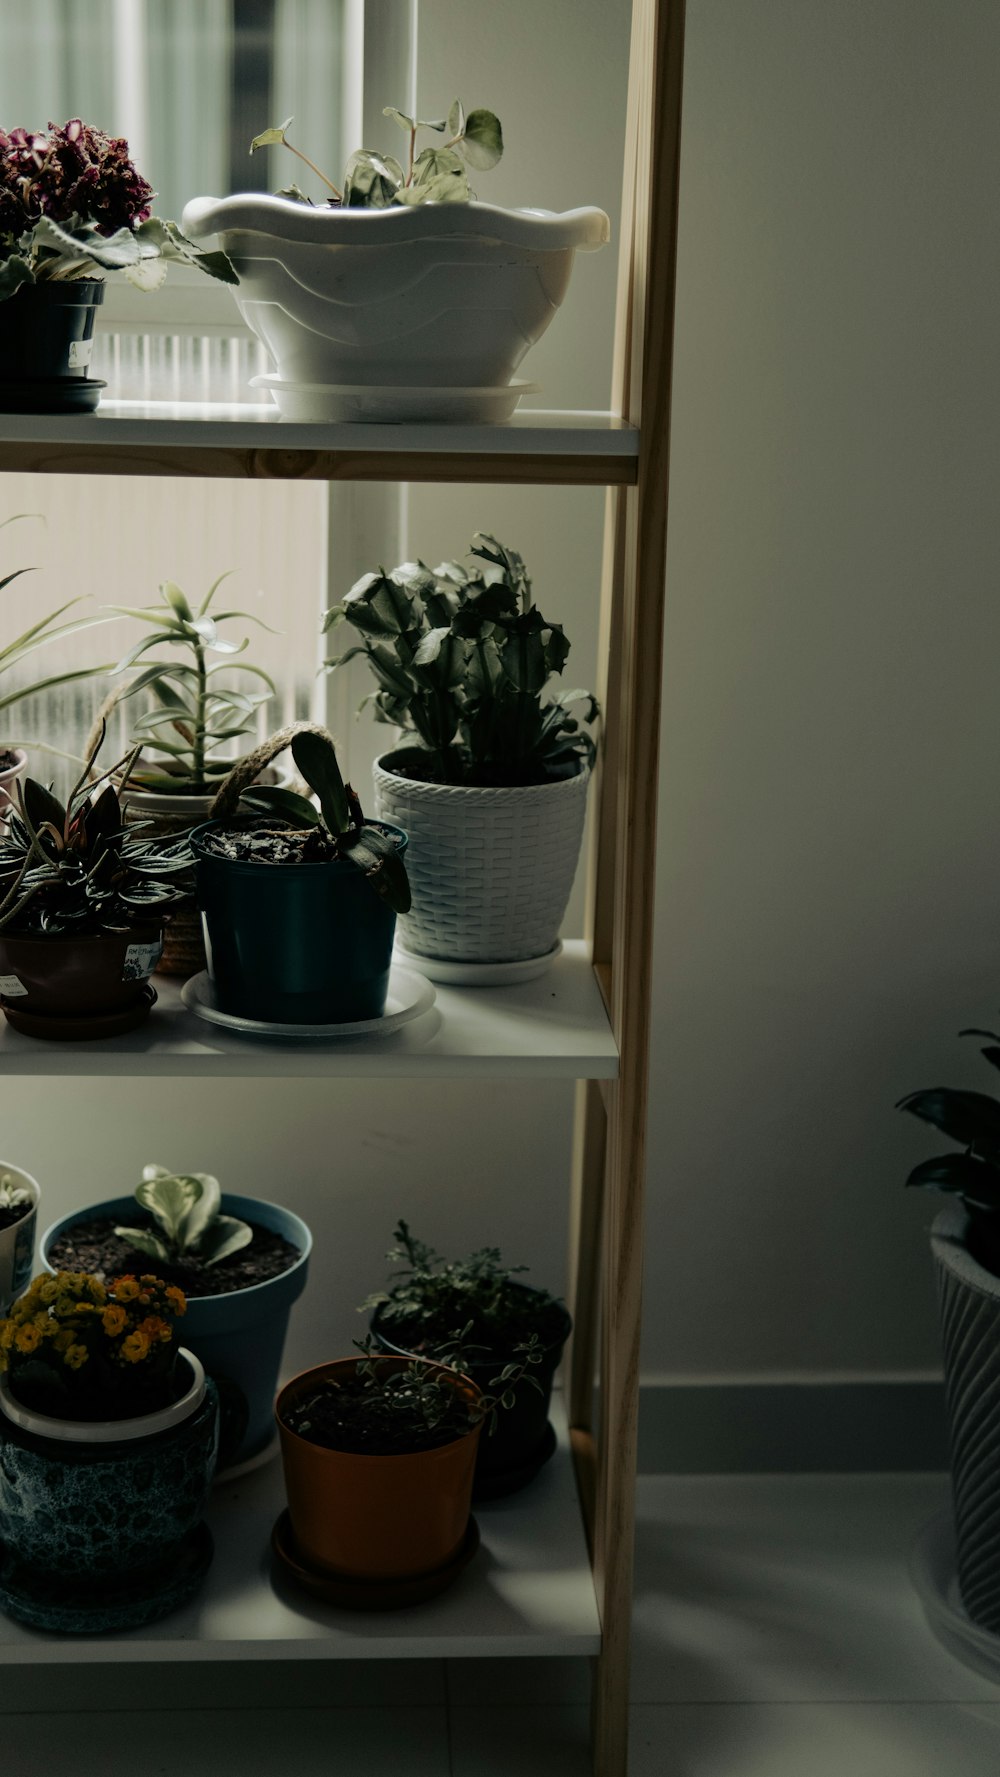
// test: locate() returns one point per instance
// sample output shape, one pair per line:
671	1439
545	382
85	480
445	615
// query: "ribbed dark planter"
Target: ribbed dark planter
46	341
969	1302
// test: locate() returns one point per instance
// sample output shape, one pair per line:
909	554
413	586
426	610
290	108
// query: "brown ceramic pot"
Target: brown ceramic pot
375	1517
77	977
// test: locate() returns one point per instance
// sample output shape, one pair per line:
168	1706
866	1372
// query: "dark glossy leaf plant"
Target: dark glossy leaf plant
295	831
77	869
973	1175
461	658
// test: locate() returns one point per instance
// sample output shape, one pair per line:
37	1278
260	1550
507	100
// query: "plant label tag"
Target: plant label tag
80	352
11	988
141	960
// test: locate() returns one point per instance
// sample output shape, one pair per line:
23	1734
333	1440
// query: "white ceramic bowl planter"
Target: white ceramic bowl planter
371	314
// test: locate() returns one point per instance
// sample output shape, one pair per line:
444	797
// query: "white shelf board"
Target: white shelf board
240	426
554	1027
528	1591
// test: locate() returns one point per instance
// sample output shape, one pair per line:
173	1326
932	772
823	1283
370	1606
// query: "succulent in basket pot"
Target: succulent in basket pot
492	785
299	898
476	1314
19	1196
81	900
100	1408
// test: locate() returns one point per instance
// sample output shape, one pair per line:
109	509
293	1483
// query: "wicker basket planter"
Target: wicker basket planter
490	870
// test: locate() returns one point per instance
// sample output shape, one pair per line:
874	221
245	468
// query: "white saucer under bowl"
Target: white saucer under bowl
409	996
334	403
455	974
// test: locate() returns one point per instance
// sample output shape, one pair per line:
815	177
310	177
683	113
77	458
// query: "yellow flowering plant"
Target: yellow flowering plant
75	1347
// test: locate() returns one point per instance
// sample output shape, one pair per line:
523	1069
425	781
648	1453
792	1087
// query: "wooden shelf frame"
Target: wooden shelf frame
630	457
610	1152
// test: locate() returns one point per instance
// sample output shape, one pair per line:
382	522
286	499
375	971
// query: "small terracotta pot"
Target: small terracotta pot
78	977
376	1517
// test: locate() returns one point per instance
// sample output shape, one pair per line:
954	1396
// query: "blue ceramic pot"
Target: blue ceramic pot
294	943
239	1337
102	1534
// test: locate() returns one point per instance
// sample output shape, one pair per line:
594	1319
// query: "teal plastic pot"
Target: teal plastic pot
294	943
239	1337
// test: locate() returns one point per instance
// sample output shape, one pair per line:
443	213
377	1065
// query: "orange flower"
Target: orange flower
176	1299
125	1289
27	1337
74	1356
135	1348
154	1327
114	1320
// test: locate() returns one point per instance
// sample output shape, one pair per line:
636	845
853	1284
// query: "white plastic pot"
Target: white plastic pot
433	296
490	870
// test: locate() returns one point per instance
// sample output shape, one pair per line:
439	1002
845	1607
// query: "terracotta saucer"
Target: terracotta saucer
351	1593
80	1030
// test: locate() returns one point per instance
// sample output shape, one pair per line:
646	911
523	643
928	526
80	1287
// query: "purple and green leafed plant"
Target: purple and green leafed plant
73	204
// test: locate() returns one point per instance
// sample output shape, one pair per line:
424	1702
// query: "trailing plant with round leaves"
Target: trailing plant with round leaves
336	829
197	705
437	175
73	205
185	1207
77	868
973	1175
461	657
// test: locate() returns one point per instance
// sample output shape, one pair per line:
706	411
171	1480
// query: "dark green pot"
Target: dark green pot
294	943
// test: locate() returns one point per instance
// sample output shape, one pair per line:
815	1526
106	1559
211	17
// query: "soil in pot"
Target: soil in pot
94	1246
16	1214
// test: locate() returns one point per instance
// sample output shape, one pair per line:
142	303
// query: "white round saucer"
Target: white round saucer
933	1572
409	996
456	974
385	405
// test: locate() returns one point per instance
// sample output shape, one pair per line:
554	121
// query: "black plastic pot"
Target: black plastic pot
294	943
46	340
522	1440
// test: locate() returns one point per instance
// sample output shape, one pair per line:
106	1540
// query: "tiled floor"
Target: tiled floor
777	1635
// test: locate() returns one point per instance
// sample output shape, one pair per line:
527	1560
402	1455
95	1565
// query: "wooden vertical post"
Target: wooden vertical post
632	623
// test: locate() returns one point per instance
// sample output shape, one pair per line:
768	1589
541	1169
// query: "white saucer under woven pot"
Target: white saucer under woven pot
490	870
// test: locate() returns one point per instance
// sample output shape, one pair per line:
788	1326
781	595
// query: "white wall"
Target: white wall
826	892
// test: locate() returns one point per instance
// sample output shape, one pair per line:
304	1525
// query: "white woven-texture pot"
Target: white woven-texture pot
490	870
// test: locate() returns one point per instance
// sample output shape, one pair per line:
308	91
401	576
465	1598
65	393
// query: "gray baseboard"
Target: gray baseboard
793	1427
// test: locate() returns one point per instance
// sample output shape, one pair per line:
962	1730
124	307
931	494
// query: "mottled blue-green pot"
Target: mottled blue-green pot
96	1536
